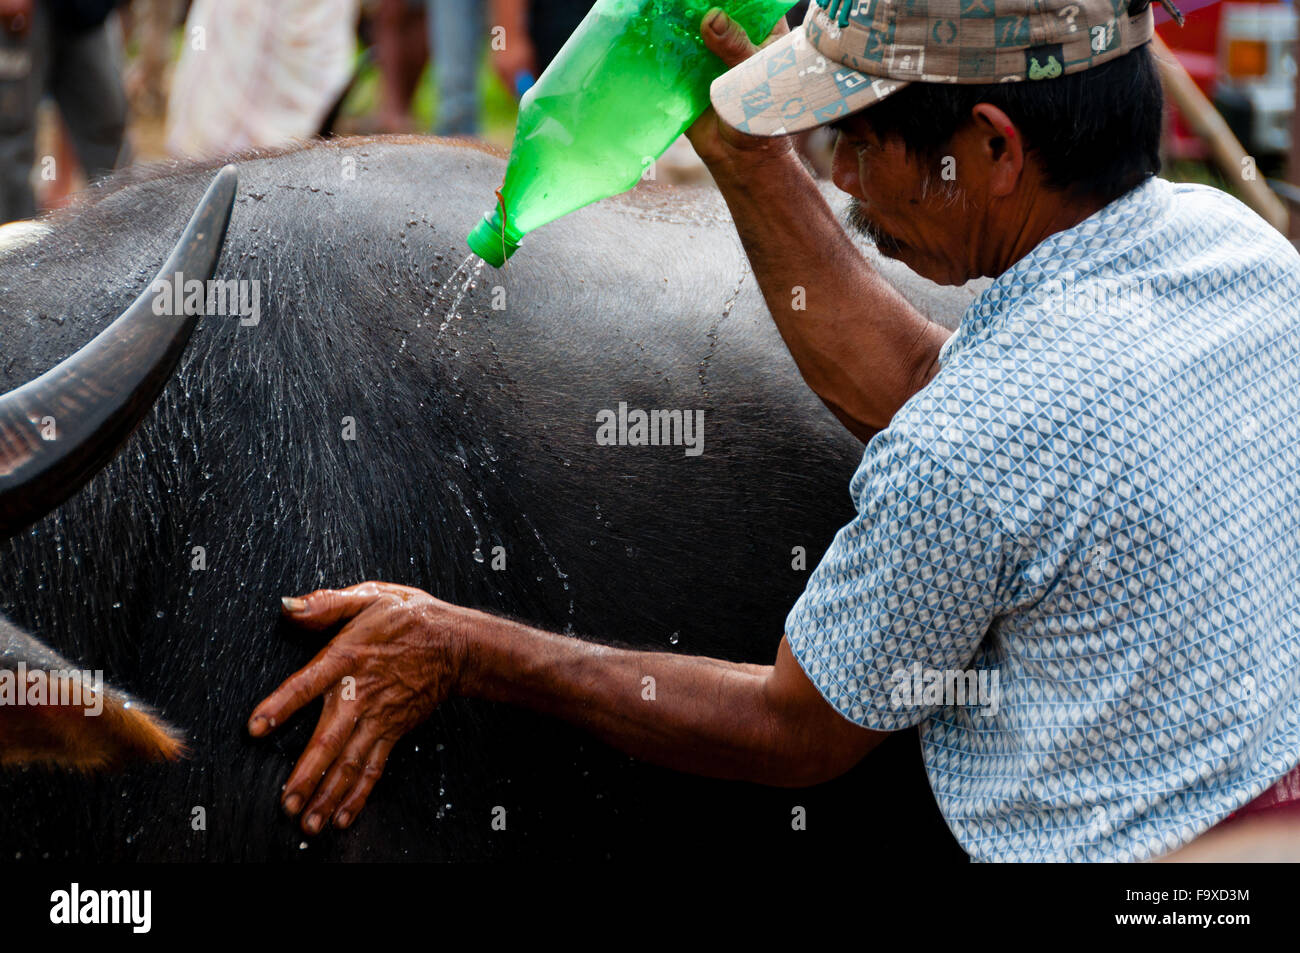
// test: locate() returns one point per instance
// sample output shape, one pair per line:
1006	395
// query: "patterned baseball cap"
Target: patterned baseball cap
849	54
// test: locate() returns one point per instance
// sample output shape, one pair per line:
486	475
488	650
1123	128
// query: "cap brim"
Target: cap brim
787	87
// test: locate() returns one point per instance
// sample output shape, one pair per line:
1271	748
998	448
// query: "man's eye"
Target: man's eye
857	142
857	145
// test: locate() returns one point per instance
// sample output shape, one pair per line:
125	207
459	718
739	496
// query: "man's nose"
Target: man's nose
845	172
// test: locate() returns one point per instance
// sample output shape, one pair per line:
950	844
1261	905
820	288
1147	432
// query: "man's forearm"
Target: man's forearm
700	715
407	652
859	344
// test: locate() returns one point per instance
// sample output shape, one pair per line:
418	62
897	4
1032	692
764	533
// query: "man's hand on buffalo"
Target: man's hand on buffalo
408	651
404	650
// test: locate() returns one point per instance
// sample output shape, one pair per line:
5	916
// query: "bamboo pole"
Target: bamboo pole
1211	127
1293	161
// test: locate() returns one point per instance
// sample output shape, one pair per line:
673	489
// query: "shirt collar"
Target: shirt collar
1064	256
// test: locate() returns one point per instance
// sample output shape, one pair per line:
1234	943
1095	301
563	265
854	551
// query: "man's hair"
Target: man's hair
1096	133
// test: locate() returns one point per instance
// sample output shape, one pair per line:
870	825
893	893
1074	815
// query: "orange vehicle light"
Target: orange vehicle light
1247	58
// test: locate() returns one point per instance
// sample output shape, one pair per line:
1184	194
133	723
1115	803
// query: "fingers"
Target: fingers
725	38
334	730
340	777
320	674
328	607
343	792
370	773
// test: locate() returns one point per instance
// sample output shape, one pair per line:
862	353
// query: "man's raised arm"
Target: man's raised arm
861	347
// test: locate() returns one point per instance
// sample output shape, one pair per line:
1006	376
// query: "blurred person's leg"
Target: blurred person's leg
86	82
152	24
23	63
456	37
400	53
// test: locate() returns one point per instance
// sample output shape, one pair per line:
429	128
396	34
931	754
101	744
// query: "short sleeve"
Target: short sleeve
909	588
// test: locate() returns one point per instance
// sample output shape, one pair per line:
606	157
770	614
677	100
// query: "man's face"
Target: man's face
913	212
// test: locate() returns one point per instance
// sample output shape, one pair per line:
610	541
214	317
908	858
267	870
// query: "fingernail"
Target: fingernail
292	805
293	605
717	21
257	726
343	820
313	824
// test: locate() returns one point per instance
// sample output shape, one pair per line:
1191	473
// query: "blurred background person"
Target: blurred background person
534	31
258	73
456	37
149	26
410	33
399	38
70	51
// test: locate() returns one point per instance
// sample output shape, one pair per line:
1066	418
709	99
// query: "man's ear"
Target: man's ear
1000	145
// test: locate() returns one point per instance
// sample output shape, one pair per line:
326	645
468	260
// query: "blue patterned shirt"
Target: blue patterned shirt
1076	560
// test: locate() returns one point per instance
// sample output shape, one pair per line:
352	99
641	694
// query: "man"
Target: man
1084	501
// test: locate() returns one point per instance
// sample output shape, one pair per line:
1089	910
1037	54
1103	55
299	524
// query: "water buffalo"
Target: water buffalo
395	411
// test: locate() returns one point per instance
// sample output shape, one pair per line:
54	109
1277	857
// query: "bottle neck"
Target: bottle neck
492	241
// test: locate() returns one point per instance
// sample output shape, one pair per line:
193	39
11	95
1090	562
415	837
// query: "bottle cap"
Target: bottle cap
490	241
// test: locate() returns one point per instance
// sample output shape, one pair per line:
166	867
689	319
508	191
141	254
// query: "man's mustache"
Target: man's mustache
857	220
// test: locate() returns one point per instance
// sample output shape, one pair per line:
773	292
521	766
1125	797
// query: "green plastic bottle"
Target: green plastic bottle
631	78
